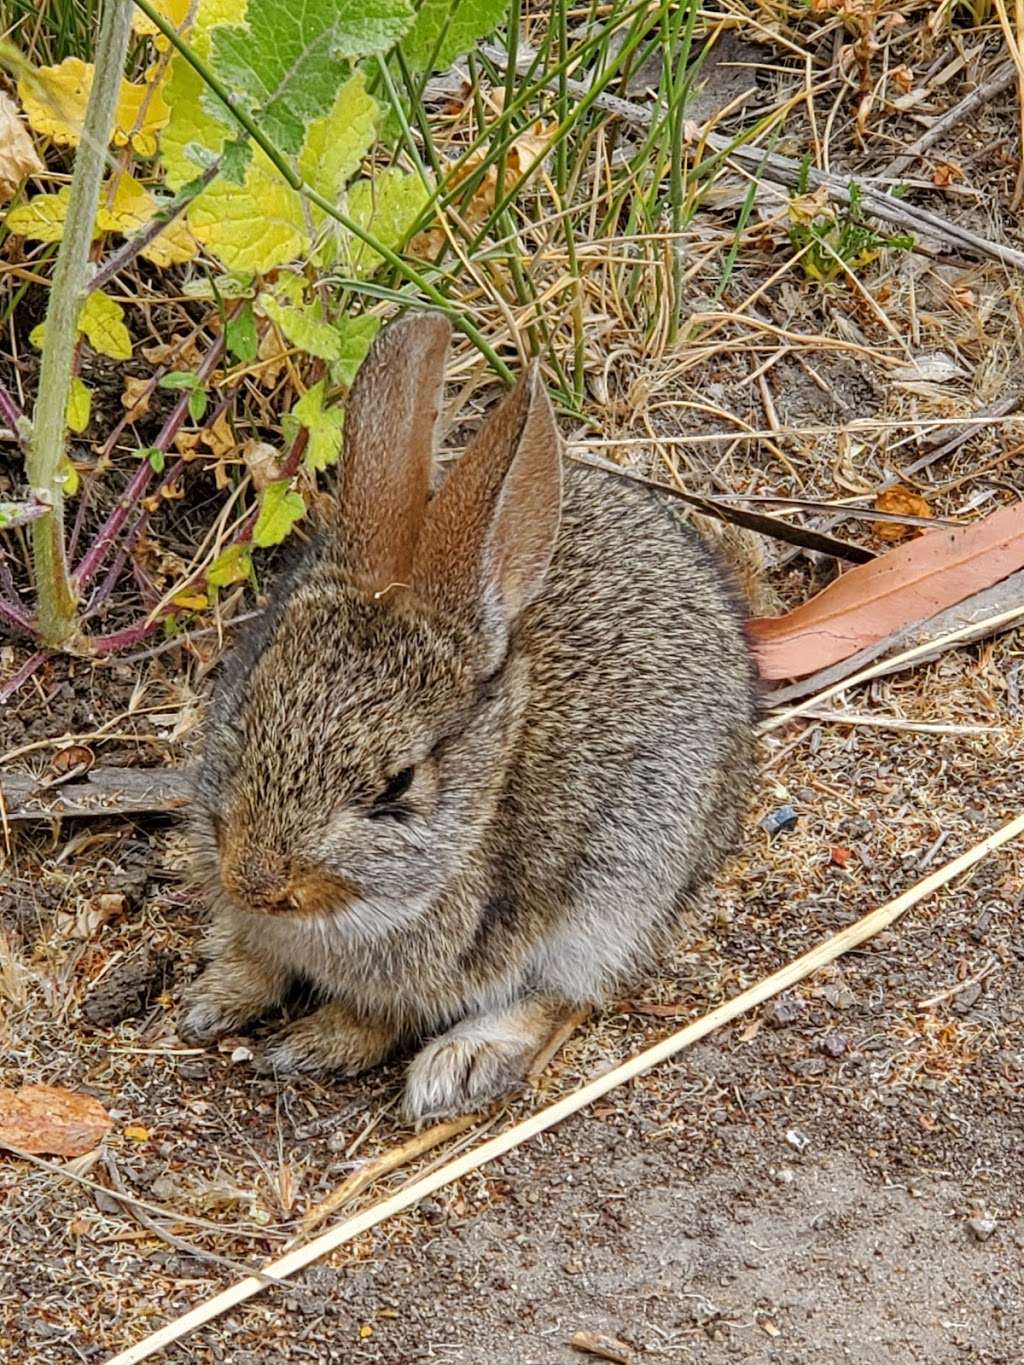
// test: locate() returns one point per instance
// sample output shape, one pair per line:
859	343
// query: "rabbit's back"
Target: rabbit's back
636	757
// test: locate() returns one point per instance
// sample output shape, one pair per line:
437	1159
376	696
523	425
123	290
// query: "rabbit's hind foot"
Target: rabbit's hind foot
478	1060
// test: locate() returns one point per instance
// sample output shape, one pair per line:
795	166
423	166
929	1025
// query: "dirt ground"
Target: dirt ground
838	1176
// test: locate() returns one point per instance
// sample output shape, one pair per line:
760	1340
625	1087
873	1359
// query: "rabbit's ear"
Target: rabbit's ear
490	532
389	445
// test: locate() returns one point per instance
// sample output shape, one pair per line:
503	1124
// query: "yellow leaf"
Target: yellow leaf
69	477
174	11
230	567
251	227
191	601
130	208
189	121
137	1132
101	319
42	218
18	157
56	96
79	406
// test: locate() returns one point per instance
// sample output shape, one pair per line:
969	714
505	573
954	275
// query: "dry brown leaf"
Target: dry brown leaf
272	358
263	463
944	174
137	396
903	502
47	1118
871	601
182	352
18	157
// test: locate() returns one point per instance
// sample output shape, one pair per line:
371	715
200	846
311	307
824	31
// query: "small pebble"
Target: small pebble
777	821
834	1044
242	1054
981	1229
784	1012
797	1140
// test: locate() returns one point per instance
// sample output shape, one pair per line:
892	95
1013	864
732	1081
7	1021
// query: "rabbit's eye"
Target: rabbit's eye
386	802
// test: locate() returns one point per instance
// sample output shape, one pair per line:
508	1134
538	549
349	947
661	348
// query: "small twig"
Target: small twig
127	253
138	1212
820	956
21	676
1000	80
923	727
18	618
753	521
934	1000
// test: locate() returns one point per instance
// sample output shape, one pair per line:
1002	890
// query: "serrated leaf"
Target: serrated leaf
41	219
289	72
323	424
252	227
387	207
445	29
56	96
189	122
232	566
79	406
303	325
355	339
101	320
336	144
280	509
240	335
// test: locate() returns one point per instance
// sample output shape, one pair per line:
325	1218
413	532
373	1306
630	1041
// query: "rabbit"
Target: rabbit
479	753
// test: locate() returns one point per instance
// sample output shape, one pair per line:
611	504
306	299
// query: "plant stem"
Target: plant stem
55	597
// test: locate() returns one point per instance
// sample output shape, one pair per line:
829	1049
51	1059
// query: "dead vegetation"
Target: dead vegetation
771	348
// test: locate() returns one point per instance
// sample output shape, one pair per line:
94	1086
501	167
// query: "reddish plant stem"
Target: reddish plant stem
131	540
21	676
140	481
12	415
19	619
126	254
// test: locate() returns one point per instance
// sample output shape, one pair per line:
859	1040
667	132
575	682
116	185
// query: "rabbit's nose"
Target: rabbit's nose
260	886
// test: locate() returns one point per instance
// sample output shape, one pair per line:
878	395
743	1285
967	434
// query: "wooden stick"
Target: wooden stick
1000	80
816	958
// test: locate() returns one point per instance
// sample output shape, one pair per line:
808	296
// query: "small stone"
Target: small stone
981	1229
784	1012
242	1054
797	1140
785	1175
833	1044
778	821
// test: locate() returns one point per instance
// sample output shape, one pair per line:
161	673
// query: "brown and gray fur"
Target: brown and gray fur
563	667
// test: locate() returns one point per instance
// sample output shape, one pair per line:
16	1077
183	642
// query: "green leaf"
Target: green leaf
154	455
178	379
303	325
387	207
286	61
197	403
323	424
235	161
240	335
445	29
336	144
251	227
191	126
232	566
280	509
68	475
79	406
355	339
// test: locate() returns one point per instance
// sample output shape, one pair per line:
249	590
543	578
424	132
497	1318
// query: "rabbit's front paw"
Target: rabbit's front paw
208	1011
475	1062
329	1039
